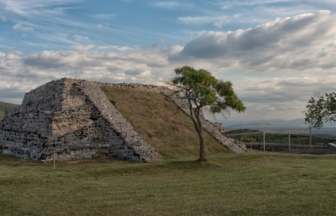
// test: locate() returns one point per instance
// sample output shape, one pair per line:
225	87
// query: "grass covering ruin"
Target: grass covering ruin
161	123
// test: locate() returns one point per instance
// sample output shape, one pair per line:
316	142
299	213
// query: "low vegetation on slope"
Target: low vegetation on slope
5	106
281	138
229	184
161	123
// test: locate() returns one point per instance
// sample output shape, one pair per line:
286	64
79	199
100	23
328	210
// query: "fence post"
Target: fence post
288	141
264	139
310	137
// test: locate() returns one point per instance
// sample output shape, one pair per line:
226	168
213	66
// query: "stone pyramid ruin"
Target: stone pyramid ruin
75	119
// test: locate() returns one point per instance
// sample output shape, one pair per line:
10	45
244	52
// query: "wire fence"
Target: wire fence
277	131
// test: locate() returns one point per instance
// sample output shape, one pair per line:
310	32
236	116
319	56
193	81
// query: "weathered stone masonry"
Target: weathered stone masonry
76	119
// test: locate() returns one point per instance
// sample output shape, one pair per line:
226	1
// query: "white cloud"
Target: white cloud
77	37
230	4
82	48
305	42
119	48
169	3
103	16
1	38
282	98
3	18
145	64
221	24
204	19
99	26
172	4
71	35
18	26
251	12
43	13
35	7
16	52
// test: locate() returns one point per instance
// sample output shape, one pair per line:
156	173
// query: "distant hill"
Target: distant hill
5	106
317	139
297	123
323	132
259	125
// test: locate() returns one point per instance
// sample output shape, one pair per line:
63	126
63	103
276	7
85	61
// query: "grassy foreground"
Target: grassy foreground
230	184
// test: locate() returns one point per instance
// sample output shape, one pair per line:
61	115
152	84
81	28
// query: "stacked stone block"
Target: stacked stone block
73	118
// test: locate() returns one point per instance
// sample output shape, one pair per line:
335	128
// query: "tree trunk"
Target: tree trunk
202	147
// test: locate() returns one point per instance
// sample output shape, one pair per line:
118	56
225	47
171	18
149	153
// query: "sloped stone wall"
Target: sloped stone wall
116	120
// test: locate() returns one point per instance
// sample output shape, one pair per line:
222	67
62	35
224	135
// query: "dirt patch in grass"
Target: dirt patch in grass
161	123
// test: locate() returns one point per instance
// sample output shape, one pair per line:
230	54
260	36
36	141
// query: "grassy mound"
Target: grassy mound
161	123
5	106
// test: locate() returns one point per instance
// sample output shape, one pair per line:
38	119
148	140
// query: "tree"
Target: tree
321	110
200	89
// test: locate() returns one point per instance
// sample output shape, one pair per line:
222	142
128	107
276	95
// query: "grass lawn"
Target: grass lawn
229	184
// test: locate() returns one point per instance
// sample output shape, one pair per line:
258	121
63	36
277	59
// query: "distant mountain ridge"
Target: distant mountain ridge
5	106
269	126
259	125
299	122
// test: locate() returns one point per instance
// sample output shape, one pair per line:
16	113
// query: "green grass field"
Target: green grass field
229	184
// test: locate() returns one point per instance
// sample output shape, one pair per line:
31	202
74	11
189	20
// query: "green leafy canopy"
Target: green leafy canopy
207	90
321	110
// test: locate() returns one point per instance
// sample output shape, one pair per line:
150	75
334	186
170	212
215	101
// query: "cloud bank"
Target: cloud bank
302	44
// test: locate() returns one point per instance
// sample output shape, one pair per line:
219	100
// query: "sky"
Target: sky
277	53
